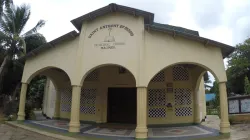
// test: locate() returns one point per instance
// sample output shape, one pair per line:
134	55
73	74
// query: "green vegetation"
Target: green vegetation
15	43
238	68
247	86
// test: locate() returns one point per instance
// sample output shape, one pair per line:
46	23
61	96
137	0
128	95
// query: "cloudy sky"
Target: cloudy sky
227	21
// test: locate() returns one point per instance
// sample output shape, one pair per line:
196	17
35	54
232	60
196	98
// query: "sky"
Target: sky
226	21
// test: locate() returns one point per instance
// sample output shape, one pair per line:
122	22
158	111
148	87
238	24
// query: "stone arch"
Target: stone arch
103	65
60	84
55	74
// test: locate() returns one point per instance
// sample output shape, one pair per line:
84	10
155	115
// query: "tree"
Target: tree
215	89
12	38
238	67
5	3
247	86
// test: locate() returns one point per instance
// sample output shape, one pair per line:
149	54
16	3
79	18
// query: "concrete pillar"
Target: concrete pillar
141	128
197	118
74	125
57	104
21	113
224	123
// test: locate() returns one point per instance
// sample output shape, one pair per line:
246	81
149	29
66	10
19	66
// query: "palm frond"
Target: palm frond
7	20
8	3
22	14
40	24
1	6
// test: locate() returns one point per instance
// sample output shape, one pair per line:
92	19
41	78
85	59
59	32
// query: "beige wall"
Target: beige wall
59	57
107	76
162	50
125	55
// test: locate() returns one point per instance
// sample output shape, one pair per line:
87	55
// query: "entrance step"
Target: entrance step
39	115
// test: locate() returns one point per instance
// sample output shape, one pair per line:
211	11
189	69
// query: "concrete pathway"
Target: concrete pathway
238	131
11	133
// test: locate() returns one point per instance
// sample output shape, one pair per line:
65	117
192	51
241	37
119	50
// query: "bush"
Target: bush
28	111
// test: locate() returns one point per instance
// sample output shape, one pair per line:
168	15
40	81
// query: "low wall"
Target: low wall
239	118
239	109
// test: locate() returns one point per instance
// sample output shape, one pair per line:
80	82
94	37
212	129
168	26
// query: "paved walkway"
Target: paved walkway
238	131
125	133
11	133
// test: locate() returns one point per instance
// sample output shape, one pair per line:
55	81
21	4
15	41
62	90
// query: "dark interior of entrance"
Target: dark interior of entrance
122	105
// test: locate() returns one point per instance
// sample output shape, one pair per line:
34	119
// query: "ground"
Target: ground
11	133
238	132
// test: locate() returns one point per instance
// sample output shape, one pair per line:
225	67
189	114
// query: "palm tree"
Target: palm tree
12	38
5	3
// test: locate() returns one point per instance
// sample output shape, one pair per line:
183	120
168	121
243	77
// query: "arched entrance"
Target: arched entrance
175	95
108	94
56	82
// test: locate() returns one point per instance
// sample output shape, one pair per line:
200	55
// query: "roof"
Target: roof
148	17
149	25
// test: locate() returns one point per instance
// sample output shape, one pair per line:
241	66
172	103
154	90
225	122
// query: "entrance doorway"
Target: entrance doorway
122	105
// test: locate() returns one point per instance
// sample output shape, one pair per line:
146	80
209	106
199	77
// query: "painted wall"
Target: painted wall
62	57
109	76
101	79
49	99
162	50
181	97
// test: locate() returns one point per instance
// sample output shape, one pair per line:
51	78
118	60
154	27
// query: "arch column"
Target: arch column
21	113
224	123
197	119
74	125
141	128
57	104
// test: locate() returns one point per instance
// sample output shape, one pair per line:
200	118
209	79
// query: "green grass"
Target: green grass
74	135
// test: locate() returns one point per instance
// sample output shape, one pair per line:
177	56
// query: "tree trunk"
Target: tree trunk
2	70
14	94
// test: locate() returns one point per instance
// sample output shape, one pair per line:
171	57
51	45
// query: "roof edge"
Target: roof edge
113	7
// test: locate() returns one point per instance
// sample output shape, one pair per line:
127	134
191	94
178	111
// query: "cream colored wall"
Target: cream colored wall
162	50
171	118
60	57
108	76
202	99
125	55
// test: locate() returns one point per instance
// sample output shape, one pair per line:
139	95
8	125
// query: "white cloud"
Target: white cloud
227	21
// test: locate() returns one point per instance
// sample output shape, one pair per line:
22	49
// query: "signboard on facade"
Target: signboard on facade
109	41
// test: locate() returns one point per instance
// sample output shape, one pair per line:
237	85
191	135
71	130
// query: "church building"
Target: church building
122	67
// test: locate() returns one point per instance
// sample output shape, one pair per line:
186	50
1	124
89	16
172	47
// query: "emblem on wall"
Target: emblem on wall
109	41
